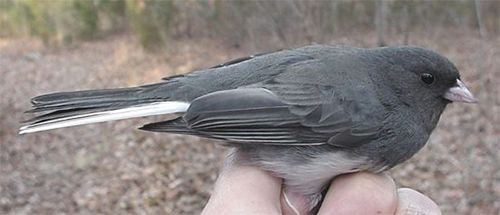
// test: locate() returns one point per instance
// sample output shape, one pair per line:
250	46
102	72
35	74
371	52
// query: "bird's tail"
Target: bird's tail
58	110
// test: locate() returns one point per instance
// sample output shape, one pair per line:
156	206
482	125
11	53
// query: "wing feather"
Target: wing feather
260	116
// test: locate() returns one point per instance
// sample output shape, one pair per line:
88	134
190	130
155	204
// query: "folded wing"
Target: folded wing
275	114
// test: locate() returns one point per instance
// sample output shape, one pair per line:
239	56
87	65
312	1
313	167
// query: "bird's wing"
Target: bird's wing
281	112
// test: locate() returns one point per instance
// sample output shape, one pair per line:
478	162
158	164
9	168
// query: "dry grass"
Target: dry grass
111	168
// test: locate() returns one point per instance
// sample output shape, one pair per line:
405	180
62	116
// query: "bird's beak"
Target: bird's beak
460	93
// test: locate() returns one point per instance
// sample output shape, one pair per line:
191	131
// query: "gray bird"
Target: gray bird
305	115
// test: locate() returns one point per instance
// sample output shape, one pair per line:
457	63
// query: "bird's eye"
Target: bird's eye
427	78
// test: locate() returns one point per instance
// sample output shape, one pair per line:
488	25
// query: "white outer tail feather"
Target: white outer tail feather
149	109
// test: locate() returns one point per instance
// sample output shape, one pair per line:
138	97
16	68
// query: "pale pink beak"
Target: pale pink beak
460	93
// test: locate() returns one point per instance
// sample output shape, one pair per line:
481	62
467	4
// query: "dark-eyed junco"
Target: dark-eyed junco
305	115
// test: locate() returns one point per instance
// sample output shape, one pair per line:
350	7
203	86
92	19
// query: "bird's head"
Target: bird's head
424	80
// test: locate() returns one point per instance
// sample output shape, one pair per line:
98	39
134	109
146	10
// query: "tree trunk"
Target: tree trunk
381	22
479	19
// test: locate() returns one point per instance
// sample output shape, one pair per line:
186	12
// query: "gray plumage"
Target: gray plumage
305	115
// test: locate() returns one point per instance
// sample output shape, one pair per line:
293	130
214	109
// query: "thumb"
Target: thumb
360	193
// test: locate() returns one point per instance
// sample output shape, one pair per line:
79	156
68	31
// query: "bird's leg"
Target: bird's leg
294	203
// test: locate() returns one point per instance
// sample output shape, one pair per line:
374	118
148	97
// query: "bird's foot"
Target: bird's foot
294	203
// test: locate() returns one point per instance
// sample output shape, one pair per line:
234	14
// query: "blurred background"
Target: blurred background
112	168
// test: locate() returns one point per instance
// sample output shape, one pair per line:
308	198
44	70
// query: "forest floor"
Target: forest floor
112	168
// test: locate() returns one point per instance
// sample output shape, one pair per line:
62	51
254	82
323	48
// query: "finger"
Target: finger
244	190
360	193
412	202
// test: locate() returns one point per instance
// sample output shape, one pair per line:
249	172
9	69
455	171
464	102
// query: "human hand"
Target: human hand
249	190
